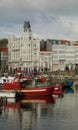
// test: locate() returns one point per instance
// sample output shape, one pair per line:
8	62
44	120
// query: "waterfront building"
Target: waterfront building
45	57
3	55
26	52
63	53
23	51
76	51
46	60
75	43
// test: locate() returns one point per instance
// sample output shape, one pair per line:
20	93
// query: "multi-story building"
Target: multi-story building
76	51
45	57
63	53
3	55
76	56
46	60
24	51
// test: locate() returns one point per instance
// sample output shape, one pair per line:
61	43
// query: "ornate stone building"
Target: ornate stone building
24	51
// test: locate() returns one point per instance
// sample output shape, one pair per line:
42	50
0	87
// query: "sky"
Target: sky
54	19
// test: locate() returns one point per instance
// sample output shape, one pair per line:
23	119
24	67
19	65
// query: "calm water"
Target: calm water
50	114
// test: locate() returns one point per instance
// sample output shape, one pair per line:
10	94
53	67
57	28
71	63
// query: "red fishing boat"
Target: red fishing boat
27	87
42	79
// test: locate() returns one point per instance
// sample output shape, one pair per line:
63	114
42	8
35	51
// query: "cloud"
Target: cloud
53	6
52	18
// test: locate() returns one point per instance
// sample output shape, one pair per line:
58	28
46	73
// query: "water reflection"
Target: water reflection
25	114
58	95
35	112
41	113
69	90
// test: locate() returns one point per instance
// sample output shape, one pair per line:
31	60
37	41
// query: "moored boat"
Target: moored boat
41	78
58	87
57	90
68	84
4	79
27	87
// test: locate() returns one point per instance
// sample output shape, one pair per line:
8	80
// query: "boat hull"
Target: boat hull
28	91
42	91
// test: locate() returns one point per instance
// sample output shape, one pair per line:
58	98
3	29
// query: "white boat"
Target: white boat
7	94
5	79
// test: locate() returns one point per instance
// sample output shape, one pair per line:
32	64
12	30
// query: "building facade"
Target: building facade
26	52
3	55
23	51
63	54
45	60
76	51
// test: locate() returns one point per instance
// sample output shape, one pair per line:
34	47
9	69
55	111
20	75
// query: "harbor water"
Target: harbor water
52	113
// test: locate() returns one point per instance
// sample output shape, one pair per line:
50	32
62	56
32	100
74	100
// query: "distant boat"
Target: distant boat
41	78
68	84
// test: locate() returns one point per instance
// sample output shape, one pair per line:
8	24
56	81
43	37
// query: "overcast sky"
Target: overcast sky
55	19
